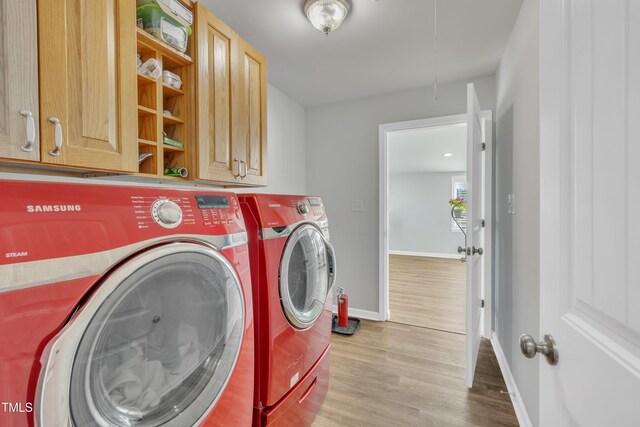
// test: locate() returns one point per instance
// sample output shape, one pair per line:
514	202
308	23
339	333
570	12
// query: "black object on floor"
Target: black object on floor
350	329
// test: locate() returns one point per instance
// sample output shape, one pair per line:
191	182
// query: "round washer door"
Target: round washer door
154	346
307	273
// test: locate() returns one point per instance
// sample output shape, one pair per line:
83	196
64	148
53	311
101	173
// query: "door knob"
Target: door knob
466	251
547	347
478	251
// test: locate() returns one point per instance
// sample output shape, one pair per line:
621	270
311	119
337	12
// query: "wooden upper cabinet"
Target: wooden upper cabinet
215	43
19	80
250	115
88	83
232	105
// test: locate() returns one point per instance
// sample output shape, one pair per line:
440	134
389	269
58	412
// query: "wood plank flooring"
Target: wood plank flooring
427	292
391	374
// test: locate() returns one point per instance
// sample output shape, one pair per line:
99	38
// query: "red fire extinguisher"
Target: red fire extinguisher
343	308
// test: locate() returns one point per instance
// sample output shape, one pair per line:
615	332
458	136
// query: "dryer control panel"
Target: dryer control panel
166	211
38	219
217	210
275	210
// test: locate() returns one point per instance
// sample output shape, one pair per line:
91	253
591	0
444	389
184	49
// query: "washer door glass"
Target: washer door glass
306	275
161	347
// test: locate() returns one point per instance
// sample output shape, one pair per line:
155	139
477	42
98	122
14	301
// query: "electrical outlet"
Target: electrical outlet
357	205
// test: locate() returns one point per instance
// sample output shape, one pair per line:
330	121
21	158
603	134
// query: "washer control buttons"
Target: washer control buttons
303	209
166	213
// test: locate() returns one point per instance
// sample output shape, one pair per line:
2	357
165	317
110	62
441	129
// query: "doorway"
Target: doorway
484	183
426	169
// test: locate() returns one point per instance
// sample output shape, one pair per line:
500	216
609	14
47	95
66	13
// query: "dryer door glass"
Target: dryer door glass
306	272
161	347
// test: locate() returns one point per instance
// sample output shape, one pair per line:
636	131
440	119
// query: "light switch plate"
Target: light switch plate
511	204
357	205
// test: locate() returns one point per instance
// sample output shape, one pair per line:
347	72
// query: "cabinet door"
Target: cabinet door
18	80
216	44
88	83
251	116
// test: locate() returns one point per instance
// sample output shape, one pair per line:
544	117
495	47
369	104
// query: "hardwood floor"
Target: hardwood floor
391	374
427	292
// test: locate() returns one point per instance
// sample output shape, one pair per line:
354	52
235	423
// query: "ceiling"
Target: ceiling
383	46
421	150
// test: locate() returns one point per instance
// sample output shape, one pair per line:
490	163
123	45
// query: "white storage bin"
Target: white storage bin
171	79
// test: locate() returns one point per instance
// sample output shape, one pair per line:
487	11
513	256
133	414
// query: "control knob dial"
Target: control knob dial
303	209
167	213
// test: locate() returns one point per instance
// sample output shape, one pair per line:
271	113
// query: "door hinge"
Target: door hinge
481	303
484	146
482	223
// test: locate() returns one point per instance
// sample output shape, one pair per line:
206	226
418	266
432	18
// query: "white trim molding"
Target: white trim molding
361	314
425	254
512	388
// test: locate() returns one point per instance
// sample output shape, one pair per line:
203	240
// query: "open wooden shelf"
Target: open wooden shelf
145	111
168	91
172	120
172	148
174	56
147	142
144	80
162	175
155	97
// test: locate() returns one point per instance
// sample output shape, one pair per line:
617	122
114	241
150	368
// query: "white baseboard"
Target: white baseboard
426	254
360	314
514	393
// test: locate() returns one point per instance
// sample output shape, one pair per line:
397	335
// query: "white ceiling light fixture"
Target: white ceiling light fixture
447	155
326	15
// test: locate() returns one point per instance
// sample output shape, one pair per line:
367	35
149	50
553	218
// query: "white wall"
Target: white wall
420	215
286	136
517	302
342	165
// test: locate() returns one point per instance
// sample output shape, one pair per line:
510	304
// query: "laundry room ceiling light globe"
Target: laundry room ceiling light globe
326	15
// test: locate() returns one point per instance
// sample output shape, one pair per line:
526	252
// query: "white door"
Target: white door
590	201
475	232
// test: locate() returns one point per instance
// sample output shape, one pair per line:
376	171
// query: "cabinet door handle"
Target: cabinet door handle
57	136
31	130
239	173
244	168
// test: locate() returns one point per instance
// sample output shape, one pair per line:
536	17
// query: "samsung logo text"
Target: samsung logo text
53	208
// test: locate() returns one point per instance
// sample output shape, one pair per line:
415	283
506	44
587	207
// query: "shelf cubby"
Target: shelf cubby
146	111
170	91
155	97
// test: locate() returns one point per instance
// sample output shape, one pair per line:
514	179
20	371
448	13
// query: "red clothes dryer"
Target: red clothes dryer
124	306
293	270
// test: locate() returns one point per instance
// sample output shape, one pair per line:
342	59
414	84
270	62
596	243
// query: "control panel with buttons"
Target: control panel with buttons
217	210
168	212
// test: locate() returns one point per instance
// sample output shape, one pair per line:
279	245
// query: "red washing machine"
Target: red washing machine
293	272
123	306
